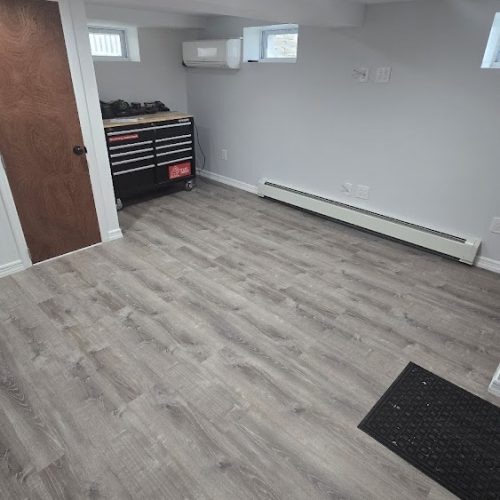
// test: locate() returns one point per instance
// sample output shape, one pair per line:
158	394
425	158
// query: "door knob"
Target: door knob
80	150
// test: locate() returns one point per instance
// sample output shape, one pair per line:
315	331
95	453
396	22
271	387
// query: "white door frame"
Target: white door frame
74	22
7	204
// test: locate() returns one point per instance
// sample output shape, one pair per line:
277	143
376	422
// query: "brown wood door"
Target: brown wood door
39	128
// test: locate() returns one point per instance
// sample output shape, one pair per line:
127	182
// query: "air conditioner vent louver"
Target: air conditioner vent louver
464	249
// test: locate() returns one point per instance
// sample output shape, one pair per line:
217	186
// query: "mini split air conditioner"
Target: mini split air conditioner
223	54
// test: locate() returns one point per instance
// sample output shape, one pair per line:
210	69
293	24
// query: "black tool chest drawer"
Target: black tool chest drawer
147	156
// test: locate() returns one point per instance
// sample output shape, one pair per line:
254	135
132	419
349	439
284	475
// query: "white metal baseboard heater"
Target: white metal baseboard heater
462	248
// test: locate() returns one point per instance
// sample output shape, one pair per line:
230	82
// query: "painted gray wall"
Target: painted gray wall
426	143
159	76
9	253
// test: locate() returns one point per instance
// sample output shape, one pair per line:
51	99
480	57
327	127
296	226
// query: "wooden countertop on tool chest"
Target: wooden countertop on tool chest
142	119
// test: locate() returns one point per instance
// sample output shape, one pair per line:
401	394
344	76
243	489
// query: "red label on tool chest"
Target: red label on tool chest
120	138
180	170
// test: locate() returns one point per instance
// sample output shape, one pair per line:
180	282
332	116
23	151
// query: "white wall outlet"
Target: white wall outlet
363	192
347	188
495	226
223	154
361	75
383	75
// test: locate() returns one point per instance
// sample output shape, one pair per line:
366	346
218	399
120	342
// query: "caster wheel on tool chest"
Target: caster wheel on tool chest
119	204
189	185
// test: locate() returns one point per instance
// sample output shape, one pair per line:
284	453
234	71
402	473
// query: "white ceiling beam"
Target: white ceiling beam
329	13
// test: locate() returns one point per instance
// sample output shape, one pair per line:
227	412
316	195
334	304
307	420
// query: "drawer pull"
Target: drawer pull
174	145
128	153
168	153
180	160
123	172
133	160
161	127
187	136
144	143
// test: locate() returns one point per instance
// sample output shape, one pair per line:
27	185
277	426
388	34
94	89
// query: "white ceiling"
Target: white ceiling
333	13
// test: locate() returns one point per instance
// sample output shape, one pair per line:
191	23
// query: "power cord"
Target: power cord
200	148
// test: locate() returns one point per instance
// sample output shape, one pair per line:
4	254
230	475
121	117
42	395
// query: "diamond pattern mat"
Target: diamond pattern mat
444	431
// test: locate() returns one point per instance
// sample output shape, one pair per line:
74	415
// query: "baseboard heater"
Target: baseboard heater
461	248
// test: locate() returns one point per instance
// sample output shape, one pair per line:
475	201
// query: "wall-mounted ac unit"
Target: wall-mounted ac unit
224	54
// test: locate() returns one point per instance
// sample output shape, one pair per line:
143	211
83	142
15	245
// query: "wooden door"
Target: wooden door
39	128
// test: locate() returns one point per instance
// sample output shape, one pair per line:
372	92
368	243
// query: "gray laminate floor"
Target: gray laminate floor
227	348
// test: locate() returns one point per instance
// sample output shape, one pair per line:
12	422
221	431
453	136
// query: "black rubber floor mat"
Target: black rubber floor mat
442	430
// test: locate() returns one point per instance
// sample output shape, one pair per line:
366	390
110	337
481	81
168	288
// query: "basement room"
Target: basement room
249	249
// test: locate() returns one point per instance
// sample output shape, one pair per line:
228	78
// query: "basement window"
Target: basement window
108	42
271	44
279	44
491	58
114	43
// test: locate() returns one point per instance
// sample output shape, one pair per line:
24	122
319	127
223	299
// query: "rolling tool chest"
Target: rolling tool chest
149	152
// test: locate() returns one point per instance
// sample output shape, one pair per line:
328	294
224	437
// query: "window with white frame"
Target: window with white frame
114	43
108	42
491	58
277	43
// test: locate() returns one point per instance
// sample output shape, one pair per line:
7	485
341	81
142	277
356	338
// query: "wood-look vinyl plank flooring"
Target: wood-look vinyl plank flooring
227	348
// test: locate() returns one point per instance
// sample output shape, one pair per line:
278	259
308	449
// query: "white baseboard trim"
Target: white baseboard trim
228	181
11	268
488	264
495	384
115	234
482	262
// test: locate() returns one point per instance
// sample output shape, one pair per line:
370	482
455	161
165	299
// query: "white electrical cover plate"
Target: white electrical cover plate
383	75
363	192
361	75
495	226
347	188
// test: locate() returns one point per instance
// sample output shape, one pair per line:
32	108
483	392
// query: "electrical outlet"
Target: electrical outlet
495	226
383	75
347	189
223	154
363	192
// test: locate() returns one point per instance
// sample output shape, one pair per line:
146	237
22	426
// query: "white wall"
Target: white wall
9	253
143	18
159	76
426	143
311	12
13	250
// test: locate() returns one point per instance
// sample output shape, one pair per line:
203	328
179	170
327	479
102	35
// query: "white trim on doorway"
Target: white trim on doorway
23	260
74	22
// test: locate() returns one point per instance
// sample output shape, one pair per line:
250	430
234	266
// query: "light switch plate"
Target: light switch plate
363	192
495	226
383	75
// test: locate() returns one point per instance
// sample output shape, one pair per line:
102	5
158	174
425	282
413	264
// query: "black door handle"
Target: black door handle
80	150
